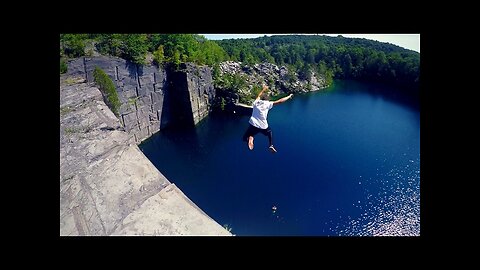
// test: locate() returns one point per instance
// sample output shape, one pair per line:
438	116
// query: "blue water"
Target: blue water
348	164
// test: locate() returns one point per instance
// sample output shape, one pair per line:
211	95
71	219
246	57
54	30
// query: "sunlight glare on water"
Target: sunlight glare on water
395	215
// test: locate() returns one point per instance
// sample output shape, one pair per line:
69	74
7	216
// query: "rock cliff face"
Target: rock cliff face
107	185
278	78
152	98
191	93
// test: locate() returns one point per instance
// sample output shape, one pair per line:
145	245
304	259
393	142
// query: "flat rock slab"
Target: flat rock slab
107	185
169	212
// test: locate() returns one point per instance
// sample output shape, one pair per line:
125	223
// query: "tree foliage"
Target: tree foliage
165	48
334	57
107	87
63	66
72	45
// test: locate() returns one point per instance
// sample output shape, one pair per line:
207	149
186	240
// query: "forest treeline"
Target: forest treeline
332	57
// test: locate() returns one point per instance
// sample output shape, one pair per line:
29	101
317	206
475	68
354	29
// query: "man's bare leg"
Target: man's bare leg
250	143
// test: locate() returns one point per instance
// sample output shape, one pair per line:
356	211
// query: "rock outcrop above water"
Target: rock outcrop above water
239	84
107	185
151	97
277	78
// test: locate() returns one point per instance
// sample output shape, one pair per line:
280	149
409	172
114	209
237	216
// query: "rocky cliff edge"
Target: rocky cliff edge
107	185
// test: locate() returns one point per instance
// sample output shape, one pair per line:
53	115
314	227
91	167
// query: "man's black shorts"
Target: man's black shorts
252	131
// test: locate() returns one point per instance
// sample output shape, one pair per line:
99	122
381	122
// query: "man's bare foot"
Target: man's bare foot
250	143
272	149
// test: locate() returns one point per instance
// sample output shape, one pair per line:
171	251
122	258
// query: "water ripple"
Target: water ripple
394	210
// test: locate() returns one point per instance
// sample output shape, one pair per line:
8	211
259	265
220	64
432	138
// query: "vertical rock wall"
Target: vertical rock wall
152	98
201	91
193	87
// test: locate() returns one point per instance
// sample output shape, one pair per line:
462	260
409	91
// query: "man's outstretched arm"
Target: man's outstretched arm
283	99
261	92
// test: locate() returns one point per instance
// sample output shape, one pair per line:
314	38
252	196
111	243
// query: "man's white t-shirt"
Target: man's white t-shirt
260	112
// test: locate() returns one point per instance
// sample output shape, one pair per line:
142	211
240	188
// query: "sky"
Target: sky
408	41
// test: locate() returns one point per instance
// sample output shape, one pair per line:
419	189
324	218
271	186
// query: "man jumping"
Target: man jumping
258	120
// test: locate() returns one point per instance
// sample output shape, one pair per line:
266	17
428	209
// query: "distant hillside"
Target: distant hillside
333	57
303	55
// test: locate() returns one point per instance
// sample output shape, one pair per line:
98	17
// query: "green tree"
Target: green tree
216	73
63	66
159	55
310	56
110	44
305	72
135	47
107	88
73	45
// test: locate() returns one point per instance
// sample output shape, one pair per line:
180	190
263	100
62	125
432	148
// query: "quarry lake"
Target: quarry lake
348	164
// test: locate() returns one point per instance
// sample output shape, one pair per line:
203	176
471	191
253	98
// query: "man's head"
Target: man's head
264	95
